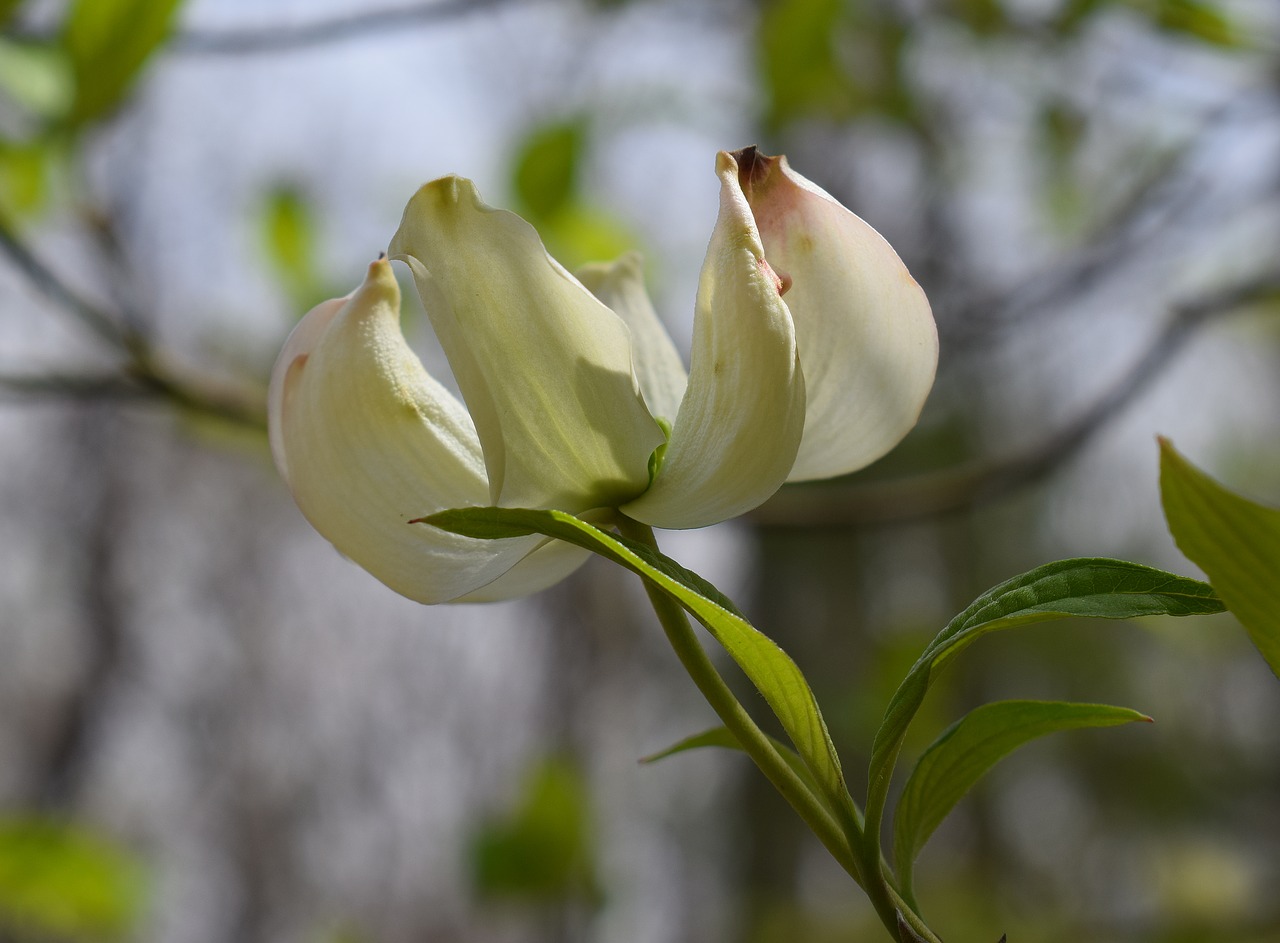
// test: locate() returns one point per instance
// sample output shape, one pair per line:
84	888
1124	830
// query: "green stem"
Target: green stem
909	915
754	742
840	831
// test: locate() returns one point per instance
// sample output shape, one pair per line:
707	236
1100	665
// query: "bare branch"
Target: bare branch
215	399
1161	195
977	483
236	42
146	372
71	385
53	287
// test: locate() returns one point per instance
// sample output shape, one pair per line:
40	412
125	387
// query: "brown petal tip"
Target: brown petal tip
753	167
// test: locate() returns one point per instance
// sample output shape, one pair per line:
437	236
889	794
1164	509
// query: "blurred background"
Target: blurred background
215	729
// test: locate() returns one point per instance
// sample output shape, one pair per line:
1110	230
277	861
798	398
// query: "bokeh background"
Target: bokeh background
214	729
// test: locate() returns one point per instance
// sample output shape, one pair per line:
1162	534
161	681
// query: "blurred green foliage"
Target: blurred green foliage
24	179
839	60
547	165
543	849
108	42
57	86
7	9
58	880
287	226
832	59
546	175
1197	19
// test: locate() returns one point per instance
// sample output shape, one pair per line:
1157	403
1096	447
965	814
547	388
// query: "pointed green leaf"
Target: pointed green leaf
715	737
970	747
1086	588
723	737
1235	541
108	42
768	667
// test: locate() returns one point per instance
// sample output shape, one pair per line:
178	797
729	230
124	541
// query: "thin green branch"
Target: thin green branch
841	833
754	742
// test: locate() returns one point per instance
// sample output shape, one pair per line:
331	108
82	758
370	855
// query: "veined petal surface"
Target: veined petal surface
867	339
742	416
620	285
544	367
367	442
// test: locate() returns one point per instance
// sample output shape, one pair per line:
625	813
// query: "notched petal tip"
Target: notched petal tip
449	189
754	168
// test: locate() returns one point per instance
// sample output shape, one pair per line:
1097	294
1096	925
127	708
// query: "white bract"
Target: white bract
813	351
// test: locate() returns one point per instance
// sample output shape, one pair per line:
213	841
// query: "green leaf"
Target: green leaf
723	738
1088	588
543	850
109	41
970	747
715	737
546	168
1235	541
59	880
1198	20
768	667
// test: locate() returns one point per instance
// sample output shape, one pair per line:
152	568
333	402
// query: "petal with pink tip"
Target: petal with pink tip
867	339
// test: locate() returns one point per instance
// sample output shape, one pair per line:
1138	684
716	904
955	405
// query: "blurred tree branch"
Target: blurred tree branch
321	32
1158	198
930	494
146	371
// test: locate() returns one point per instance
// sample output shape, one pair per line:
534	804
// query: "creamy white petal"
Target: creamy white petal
367	442
544	367
742	416
657	363
551	562
867	338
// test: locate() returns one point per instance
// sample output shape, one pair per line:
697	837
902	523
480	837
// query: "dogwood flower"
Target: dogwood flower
813	351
